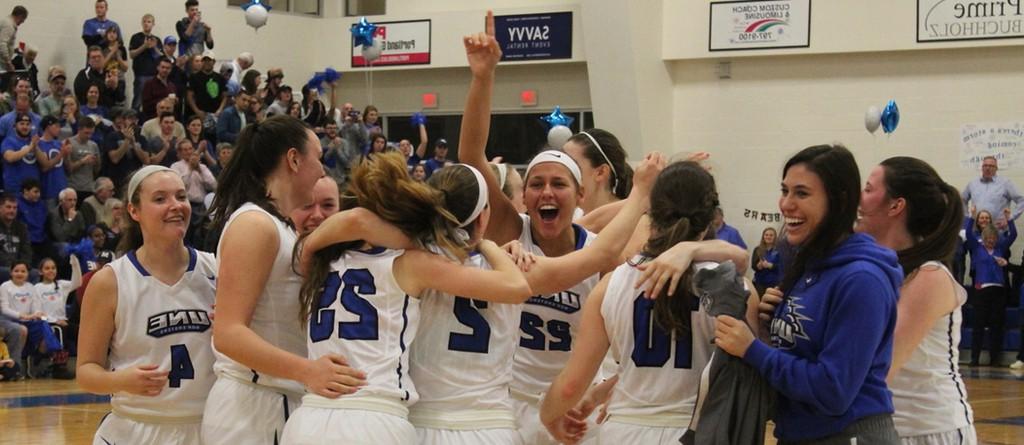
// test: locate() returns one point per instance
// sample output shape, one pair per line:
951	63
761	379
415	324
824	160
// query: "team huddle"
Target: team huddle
439	313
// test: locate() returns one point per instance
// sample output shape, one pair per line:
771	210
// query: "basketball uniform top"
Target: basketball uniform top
53	299
17	300
659	373
462	359
929	393
167	326
364	316
548	324
276	316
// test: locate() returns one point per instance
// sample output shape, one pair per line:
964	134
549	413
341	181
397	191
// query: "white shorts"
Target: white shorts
237	413
116	430
533	431
493	436
962	436
309	426
615	433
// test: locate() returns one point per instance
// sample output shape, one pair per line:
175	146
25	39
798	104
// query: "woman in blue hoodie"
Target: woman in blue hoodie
831	337
988	259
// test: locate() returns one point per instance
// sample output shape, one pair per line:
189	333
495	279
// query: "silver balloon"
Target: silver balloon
872	119
558	136
256	16
372	52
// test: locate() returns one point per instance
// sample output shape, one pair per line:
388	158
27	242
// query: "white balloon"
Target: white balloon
256	16
872	119
371	53
558	136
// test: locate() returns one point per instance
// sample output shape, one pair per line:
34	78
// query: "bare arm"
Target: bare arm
925	297
421	150
418	270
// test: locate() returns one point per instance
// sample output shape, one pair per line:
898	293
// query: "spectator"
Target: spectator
94	29
275	77
726	232
92	74
352	129
20	151
989	261
112	92
21	86
8	38
295	110
207	92
224	152
233	71
32	212
22	107
194	133
766	262
94	208
51	161
233	119
164	144
25	66
251	83
92	107
414	158
124	149
151	129
70	115
419	172
993	193
18	300
440	159
198	181
50	103
144	50
114	52
314	112
84	160
371	120
14	241
283	102
117	223
67	224
338	154
14	335
53	297
157	88
195	36
378	144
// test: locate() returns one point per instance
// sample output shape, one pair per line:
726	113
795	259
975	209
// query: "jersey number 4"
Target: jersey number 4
352	283
652	346
467	312
181	366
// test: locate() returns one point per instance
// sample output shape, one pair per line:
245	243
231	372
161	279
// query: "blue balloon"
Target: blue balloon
254	3
890	117
557	118
418	119
362	32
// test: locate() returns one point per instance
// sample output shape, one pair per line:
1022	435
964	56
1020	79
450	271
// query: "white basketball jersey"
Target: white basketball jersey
364	316
548	324
168	326
929	393
21	299
53	299
659	373
462	359
276	316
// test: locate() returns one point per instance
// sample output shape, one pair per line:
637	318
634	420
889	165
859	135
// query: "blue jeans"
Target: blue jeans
137	85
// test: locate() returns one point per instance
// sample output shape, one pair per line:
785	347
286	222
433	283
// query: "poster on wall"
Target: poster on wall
953	20
744	25
402	43
534	36
1004	140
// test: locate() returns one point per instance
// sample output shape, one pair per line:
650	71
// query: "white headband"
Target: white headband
560	158
502	174
481	200
141	175
609	162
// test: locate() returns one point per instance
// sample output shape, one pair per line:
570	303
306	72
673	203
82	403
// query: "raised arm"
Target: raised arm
421	149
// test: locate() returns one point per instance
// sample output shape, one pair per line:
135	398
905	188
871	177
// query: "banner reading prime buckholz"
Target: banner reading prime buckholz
538	36
402	43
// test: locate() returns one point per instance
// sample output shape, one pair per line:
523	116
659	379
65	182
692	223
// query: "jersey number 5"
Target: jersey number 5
652	346
356	282
466	312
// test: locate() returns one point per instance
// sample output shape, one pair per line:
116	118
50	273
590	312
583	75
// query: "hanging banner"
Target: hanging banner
1003	140
534	36
402	43
743	25
947	20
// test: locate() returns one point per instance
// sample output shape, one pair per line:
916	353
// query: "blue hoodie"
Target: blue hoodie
983	263
832	338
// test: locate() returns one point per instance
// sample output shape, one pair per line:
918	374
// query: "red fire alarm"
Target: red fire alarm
429	100
528	98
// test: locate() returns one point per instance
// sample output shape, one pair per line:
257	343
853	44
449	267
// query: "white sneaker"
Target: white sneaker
1017	365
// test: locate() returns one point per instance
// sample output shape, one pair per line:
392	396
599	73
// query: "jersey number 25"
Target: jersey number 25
356	282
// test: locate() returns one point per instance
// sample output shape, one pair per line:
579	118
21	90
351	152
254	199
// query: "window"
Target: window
308	7
355	8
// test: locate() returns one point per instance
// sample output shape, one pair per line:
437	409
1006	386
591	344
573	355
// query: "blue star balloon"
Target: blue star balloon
418	119
557	118
254	3
362	32
890	117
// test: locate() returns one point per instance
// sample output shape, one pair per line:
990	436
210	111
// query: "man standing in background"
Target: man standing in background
8	38
992	193
726	232
144	50
194	35
94	29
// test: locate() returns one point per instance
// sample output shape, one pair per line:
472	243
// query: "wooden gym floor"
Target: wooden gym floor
55	412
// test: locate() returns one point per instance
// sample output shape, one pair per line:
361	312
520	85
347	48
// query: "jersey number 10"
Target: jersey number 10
652	346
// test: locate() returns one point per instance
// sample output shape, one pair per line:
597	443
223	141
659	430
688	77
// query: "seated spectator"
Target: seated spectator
92	74
233	119
314	112
124	149
53	299
251	83
22	106
233	71
84	160
194	133
117	223
157	88
20	86
69	116
283	102
96	239
20	152
25	65
14	242
18	300
162	147
295	110
198	181
9	369
224	152
440	159
92	107
275	77
67	225
51	160
51	102
94	208
32	212
151	128
419	172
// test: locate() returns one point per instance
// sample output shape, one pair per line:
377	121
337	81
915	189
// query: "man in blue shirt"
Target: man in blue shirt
94	28
20	151
440	159
993	193
22	106
726	232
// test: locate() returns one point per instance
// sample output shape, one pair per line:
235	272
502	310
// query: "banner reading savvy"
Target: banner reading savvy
534	36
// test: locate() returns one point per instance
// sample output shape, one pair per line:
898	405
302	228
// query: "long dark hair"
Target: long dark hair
382	185
622	174
837	169
683	202
934	211
261	147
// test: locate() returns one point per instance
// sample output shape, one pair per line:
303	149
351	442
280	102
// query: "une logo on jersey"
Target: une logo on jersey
173	322
565	301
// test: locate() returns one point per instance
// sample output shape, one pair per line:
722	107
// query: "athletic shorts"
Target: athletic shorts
237	413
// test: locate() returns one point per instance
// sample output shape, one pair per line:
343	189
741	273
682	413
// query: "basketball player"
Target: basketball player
145	333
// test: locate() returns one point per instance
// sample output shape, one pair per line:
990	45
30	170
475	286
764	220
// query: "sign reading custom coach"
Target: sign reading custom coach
534	36
402	43
1003	140
745	25
951	20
